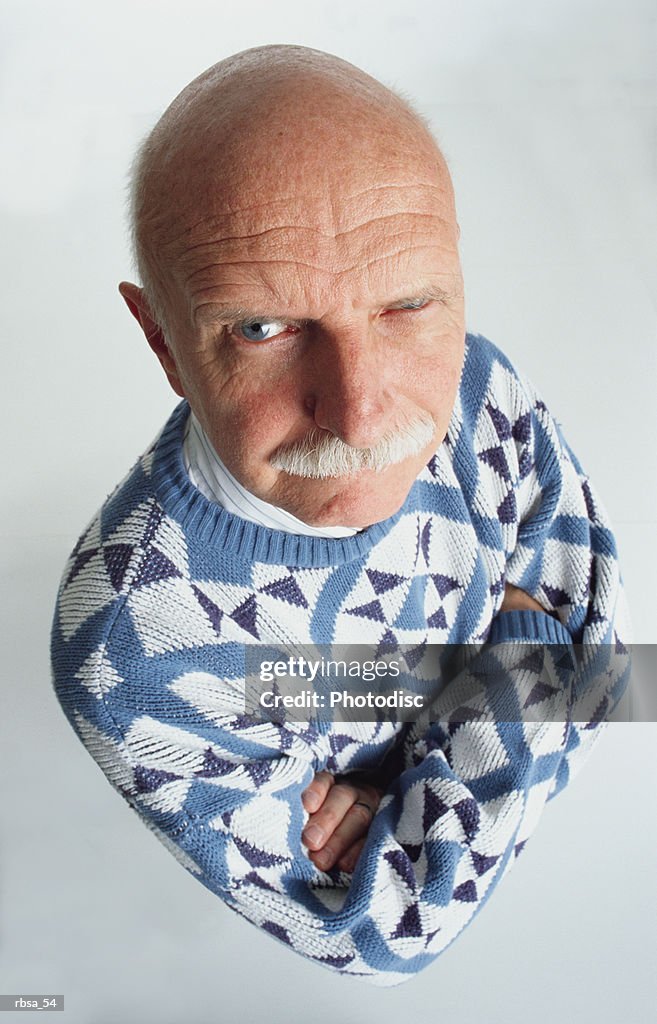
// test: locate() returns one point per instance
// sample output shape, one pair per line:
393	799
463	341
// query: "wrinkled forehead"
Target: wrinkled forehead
324	212
329	210
304	249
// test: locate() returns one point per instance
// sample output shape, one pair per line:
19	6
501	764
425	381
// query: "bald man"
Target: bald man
346	466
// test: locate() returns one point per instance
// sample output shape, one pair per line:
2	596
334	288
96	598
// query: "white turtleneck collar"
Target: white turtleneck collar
208	473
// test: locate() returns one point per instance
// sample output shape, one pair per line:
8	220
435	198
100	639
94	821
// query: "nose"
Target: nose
350	392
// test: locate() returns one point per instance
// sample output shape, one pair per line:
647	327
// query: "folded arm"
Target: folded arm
342	810
442	837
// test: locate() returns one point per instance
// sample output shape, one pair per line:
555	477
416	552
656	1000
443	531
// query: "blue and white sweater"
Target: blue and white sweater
164	589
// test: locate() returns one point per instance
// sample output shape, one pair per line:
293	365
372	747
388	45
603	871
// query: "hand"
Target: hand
338	822
516	599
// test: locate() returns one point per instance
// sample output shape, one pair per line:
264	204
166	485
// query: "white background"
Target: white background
546	114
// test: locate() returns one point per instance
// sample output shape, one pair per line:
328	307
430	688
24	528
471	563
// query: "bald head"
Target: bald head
268	123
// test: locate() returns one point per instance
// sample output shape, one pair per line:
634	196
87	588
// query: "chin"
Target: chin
355	502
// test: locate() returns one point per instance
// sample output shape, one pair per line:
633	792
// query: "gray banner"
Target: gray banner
23	1002
508	682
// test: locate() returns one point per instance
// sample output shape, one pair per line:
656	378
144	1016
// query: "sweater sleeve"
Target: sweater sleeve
565	556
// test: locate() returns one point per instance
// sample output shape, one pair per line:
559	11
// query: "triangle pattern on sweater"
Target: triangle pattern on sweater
383	581
117	561
412	615
156	567
286	589
410	924
371	610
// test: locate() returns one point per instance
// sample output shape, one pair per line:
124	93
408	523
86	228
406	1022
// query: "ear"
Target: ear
138	306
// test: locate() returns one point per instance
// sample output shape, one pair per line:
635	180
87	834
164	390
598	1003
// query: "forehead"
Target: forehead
315	248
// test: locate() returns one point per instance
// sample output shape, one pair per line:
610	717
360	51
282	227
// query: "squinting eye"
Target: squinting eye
418	304
260	330
408	307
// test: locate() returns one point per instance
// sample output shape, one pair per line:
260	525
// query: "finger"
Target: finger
322	824
353	826
349	859
313	797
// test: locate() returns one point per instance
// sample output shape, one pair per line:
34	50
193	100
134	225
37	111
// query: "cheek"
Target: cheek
251	420
436	371
451	367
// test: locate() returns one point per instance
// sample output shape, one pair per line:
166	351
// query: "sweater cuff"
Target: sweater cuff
527	626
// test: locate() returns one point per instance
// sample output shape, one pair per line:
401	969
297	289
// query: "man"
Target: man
346	466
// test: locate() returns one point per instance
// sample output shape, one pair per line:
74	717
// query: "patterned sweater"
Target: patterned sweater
165	589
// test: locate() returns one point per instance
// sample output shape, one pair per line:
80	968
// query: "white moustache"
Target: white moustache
320	455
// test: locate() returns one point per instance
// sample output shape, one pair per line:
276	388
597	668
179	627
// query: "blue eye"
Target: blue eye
260	330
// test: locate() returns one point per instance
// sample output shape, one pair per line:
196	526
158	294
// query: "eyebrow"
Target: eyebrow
224	315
